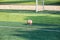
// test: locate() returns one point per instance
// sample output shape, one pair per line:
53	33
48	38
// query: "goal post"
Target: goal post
43	4
37	5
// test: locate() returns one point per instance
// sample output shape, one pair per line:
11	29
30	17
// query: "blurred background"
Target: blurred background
32	2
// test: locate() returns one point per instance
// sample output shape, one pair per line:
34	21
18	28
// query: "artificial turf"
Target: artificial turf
17	28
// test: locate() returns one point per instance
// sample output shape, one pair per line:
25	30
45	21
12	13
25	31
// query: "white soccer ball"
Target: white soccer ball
29	22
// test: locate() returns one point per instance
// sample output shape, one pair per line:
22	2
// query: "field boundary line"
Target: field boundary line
31	28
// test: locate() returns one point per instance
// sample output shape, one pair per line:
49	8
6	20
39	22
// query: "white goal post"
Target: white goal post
37	5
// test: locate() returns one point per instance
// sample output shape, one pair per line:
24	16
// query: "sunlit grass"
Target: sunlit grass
17	28
41	18
16	17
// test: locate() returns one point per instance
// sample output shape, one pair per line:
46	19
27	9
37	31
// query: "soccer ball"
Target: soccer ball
29	22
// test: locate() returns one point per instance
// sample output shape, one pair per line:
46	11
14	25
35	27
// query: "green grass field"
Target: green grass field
32	2
13	26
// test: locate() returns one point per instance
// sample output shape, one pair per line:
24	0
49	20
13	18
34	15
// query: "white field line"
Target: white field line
50	30
31	28
10	27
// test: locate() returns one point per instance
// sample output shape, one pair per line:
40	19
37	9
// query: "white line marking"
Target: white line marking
10	27
31	28
50	30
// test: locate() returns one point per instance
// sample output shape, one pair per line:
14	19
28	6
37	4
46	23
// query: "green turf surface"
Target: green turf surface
29	34
13	25
17	17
